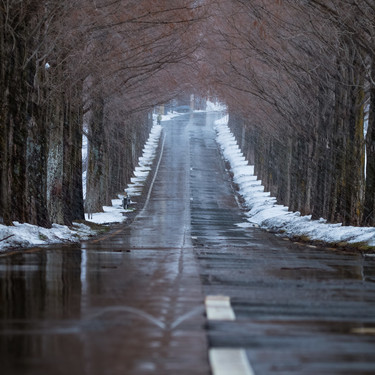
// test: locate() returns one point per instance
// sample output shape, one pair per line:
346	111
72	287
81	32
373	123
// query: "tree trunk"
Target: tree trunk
369	204
72	158
13	124
65	198
37	155
55	197
96	161
23	143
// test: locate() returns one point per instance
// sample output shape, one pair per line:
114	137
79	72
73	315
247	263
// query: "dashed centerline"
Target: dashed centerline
225	361
219	308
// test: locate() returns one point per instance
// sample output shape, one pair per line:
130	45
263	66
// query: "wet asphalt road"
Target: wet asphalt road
131	302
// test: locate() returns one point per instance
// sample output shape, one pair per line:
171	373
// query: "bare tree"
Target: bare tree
298	73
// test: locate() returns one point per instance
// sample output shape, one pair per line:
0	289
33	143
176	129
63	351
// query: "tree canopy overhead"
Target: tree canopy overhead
297	77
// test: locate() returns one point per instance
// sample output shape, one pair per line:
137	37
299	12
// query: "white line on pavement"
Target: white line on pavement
219	308
225	361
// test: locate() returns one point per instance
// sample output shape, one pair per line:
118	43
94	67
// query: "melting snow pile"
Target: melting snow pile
266	213
111	214
115	213
143	169
27	235
215	106
169	116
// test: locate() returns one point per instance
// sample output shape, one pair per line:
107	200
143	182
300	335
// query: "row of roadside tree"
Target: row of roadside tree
69	67
297	76
299	81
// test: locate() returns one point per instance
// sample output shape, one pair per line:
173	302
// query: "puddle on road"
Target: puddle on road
60	303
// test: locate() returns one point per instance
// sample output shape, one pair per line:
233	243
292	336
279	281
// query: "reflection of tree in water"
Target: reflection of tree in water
39	291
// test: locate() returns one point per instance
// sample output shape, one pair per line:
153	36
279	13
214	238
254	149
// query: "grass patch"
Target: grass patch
362	247
99	228
359	246
43	237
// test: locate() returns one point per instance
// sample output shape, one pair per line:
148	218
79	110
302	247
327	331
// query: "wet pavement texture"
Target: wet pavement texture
131	302
299	309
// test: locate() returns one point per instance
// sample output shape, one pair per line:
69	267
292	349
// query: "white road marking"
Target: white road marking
219	308
225	361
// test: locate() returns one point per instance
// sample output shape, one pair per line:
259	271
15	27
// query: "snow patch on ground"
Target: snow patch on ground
84	162
168	116
27	235
266	213
112	214
215	106
116	213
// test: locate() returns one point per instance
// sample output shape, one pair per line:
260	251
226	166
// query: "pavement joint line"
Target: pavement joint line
229	361
219	308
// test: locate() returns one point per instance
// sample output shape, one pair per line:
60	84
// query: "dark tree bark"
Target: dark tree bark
72	158
369	205
97	161
64	175
37	155
111	163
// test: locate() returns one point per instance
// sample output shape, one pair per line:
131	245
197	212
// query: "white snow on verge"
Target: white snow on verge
215	106
115	213
266	213
143	169
168	116
84	161
112	214
27	235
